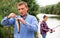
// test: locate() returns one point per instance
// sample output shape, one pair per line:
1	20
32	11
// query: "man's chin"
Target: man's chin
22	15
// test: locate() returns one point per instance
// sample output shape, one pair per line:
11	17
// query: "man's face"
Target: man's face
46	18
22	9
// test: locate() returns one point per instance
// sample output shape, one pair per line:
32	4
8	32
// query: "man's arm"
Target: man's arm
7	21
33	26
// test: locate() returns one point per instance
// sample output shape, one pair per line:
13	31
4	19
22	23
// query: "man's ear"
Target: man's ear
27	8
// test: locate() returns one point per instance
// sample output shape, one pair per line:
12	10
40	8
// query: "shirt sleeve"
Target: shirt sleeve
33	26
7	21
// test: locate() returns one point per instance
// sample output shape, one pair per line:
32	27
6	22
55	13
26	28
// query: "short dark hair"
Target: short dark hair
44	16
22	3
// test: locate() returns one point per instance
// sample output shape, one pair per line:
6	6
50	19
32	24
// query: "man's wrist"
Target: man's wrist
8	17
24	23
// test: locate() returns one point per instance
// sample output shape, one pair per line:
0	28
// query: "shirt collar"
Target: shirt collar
26	16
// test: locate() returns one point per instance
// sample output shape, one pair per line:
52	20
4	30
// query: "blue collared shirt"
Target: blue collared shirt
26	30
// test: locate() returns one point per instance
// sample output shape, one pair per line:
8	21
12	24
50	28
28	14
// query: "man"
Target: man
44	27
28	23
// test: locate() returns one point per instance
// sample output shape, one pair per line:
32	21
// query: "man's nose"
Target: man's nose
20	10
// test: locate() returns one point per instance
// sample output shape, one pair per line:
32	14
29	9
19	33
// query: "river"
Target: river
51	22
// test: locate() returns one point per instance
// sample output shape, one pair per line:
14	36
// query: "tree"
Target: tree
52	9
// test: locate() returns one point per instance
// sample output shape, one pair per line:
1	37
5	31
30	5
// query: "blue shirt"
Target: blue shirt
26	30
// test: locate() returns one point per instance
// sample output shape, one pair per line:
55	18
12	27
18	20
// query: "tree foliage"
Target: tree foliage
51	9
8	6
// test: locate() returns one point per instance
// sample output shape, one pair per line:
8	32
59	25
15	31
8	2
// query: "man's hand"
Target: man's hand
51	30
11	15
21	20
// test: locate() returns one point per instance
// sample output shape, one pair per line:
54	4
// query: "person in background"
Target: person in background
28	23
44	27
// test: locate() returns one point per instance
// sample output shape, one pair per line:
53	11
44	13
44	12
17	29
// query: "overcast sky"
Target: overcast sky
47	2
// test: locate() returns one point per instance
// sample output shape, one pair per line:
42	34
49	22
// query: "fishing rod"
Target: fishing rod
54	28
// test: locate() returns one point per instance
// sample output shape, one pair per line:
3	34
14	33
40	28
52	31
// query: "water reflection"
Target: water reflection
52	22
